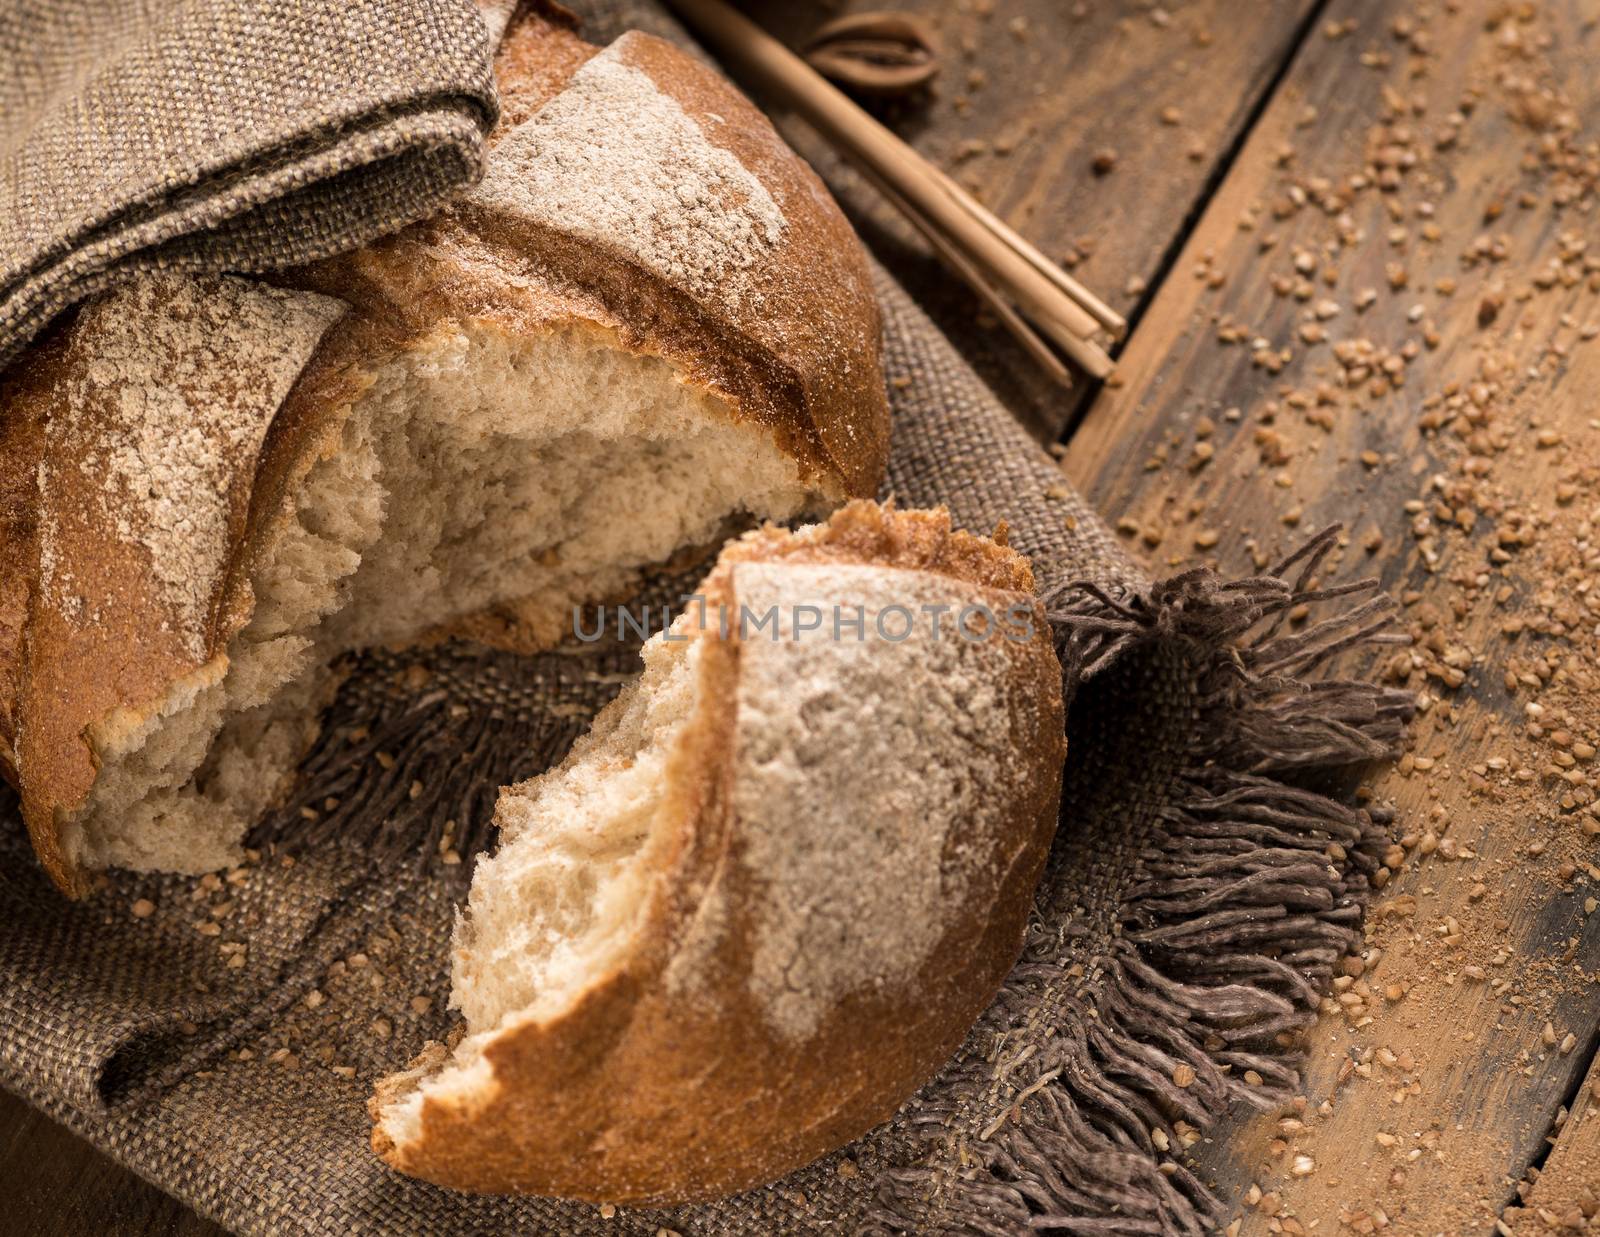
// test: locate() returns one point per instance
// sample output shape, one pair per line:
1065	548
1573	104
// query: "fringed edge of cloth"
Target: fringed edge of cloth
405	773
1249	890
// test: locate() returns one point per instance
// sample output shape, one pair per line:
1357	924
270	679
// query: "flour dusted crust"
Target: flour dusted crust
837	877
144	424
758	290
139	484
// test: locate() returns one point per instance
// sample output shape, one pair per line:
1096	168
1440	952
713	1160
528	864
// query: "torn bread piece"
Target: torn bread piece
647	321
763	900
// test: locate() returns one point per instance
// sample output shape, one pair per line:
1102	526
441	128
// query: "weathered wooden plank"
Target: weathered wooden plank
1442	156
56	1185
1565	1195
1030	95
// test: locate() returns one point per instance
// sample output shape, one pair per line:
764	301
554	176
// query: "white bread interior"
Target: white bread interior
563	896
479	467
557	902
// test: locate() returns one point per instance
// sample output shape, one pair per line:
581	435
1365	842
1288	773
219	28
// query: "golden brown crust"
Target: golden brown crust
649	1090
807	365
21	449
799	350
866	532
539	50
126	603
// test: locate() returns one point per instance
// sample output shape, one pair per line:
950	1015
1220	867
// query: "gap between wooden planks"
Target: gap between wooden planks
1566	1193
1030	93
1451	424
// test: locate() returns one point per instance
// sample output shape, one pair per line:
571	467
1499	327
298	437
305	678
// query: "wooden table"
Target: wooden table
1273	161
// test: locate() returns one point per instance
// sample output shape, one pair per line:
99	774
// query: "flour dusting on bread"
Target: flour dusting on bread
620	345
862	754
617	161
184	377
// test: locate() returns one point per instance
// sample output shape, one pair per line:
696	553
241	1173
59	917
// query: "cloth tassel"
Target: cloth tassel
413	753
1249	889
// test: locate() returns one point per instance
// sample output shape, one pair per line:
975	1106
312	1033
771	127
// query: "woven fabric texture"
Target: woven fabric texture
240	135
1189	915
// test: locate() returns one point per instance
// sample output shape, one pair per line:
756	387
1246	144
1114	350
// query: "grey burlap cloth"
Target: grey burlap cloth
1198	898
222	135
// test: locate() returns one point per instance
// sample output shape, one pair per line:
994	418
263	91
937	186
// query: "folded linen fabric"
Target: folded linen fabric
238	135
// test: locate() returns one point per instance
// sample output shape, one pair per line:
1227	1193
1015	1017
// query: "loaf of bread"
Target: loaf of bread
765	897
647	321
